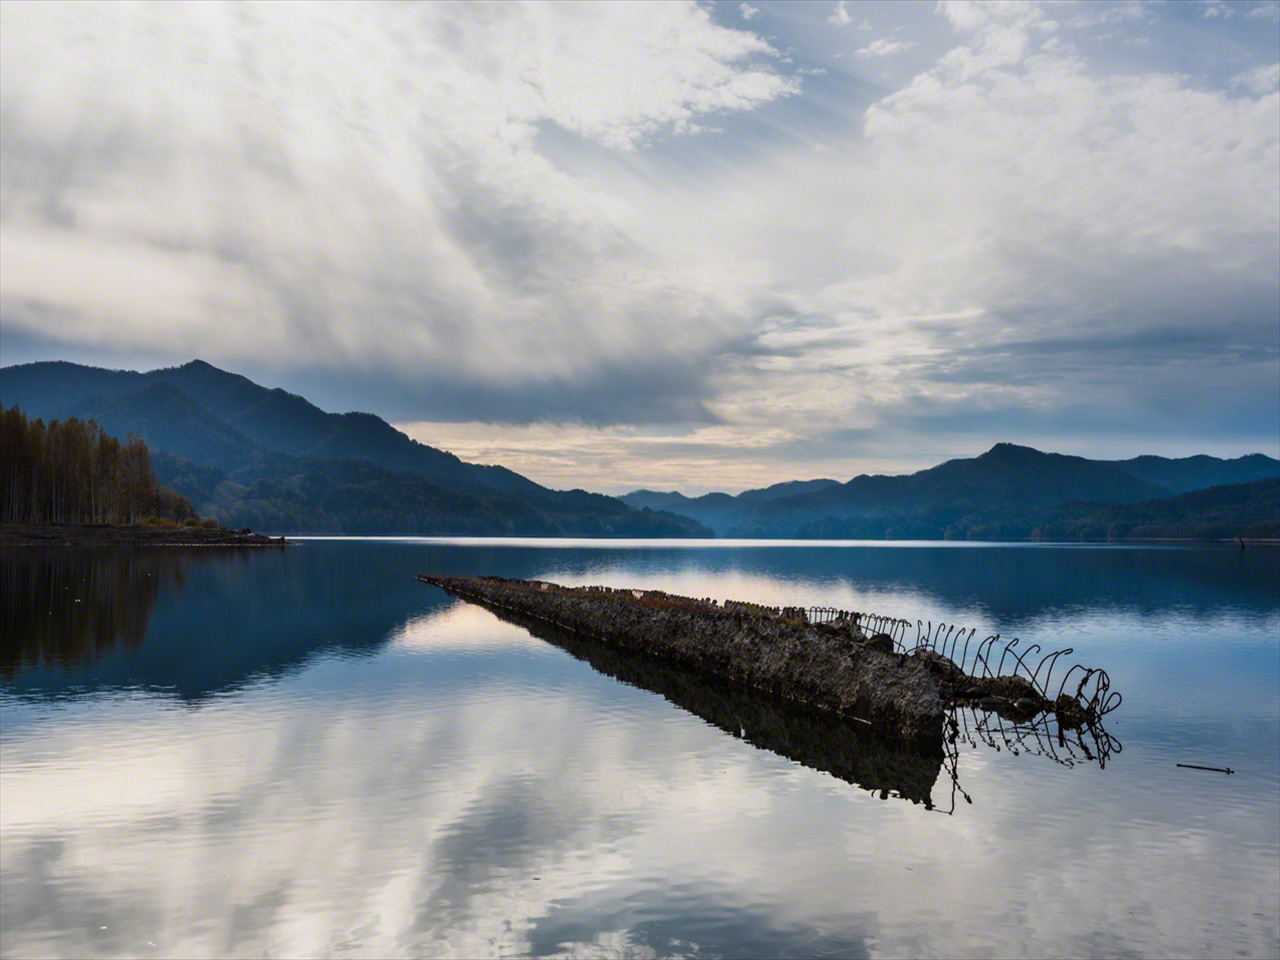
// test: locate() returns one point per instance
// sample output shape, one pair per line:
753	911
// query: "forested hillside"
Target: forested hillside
250	456
1009	492
720	510
1249	510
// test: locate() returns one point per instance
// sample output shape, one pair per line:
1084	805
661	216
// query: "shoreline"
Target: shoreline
71	535
784	541
129	535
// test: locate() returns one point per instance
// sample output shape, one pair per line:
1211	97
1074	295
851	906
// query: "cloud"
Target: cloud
320	195
840	15
748	11
1268	10
522	220
1260	80
1004	197
1099	14
884	47
1214	9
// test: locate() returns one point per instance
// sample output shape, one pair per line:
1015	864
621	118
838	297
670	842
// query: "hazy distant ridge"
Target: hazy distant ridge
720	510
1009	491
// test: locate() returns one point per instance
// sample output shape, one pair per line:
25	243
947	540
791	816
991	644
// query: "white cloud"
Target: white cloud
1069	210
998	35
1260	80
513	220
748	11
884	47
215	167
1269	10
840	15
1097	14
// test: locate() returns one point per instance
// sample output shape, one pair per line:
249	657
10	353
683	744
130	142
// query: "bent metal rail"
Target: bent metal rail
965	655
987	658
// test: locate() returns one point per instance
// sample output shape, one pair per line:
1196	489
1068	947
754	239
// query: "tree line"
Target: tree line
73	471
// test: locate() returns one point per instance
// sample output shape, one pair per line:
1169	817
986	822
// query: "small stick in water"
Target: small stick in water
1192	766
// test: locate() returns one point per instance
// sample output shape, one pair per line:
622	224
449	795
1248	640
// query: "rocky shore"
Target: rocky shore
130	535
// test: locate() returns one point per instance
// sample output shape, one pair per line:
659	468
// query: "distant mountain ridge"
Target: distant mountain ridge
717	510
964	497
1199	472
254	456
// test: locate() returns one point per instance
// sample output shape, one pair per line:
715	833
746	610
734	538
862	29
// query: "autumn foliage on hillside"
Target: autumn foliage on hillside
72	471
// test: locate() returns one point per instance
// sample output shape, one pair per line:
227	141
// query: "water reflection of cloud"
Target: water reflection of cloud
1006	587
461	627
407	814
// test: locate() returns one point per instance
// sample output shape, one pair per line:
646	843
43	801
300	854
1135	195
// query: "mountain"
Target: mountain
1199	472
253	456
1250	510
265	458
1235	510
170	421
271	418
1009	491
788	488
720	510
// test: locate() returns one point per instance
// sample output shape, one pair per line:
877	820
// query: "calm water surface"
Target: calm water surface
307	753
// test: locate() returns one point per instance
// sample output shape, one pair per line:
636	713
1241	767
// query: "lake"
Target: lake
308	753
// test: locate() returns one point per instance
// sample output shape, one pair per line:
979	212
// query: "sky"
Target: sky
670	245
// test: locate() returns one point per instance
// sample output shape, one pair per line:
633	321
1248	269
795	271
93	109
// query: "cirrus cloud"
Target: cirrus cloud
884	47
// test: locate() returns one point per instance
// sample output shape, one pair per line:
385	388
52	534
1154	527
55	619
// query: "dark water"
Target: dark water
308	753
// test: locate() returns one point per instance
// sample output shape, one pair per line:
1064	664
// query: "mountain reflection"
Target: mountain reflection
192	622
199	622
245	614
312	754
1016	586
67	607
